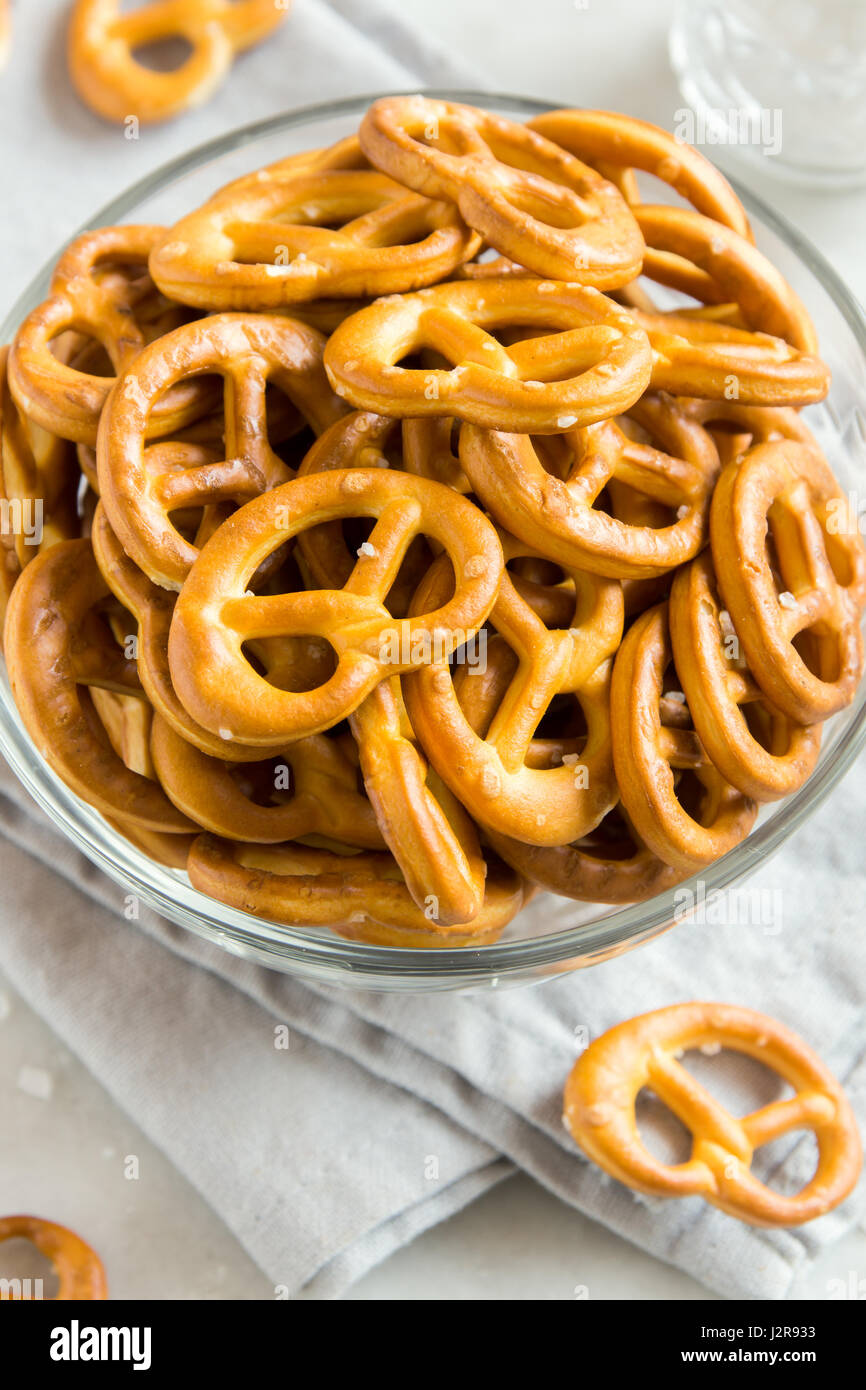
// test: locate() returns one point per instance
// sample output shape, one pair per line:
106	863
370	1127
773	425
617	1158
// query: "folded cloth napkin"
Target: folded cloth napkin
385	1114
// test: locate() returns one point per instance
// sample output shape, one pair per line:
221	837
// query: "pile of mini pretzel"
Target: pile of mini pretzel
400	554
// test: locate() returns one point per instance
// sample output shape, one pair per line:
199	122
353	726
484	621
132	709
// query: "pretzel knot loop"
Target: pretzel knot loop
115	85
216	615
603	1087
144	487
101	292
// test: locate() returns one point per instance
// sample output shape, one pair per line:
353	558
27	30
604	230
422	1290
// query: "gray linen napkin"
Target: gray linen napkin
385	1114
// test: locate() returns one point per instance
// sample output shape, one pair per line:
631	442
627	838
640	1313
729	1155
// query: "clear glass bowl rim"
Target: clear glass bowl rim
327	955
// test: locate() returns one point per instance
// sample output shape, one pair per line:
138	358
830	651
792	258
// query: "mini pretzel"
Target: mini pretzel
702	356
37	476
559	515
99	289
587	360
532	201
289	238
153	609
427	830
791	567
142	487
433	840
493	768
216	615
241	802
79	1270
360	896
653	741
602	1089
102	44
56	647
616	145
610	865
697	256
755	747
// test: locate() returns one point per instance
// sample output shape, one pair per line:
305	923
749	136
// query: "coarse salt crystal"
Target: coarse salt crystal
225	733
676	695
711	1049
565	422
365	548
787	599
682	511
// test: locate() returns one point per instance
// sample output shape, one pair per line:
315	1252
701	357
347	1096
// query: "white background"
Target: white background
159	1237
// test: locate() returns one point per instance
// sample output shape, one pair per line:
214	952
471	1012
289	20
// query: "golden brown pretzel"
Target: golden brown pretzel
141	487
79	1270
697	355
653	741
559	515
616	145
791	565
102	43
56	647
251	802
153	608
426	828
603	1086
216	615
585	357
494	768
715	264
610	865
292	236
100	289
360	896
38	487
531	200
756	748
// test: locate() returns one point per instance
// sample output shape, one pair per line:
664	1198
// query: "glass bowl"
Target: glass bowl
552	935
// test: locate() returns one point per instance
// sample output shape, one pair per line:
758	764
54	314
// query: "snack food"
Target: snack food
79	1269
375	613
115	85
602	1089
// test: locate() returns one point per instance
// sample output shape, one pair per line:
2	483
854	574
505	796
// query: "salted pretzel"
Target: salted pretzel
289	238
610	865
601	1092
534	202
52	662
142	486
696	355
80	1272
101	290
716	265
756	748
493	768
215	614
617	145
38	486
585	358
560	515
152	607
791	566
102	43
360	896
655	746
243	802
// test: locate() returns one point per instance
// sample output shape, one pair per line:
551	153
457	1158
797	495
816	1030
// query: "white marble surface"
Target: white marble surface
62	1152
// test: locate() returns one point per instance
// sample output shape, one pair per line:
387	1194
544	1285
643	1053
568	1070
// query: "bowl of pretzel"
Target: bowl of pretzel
431	539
